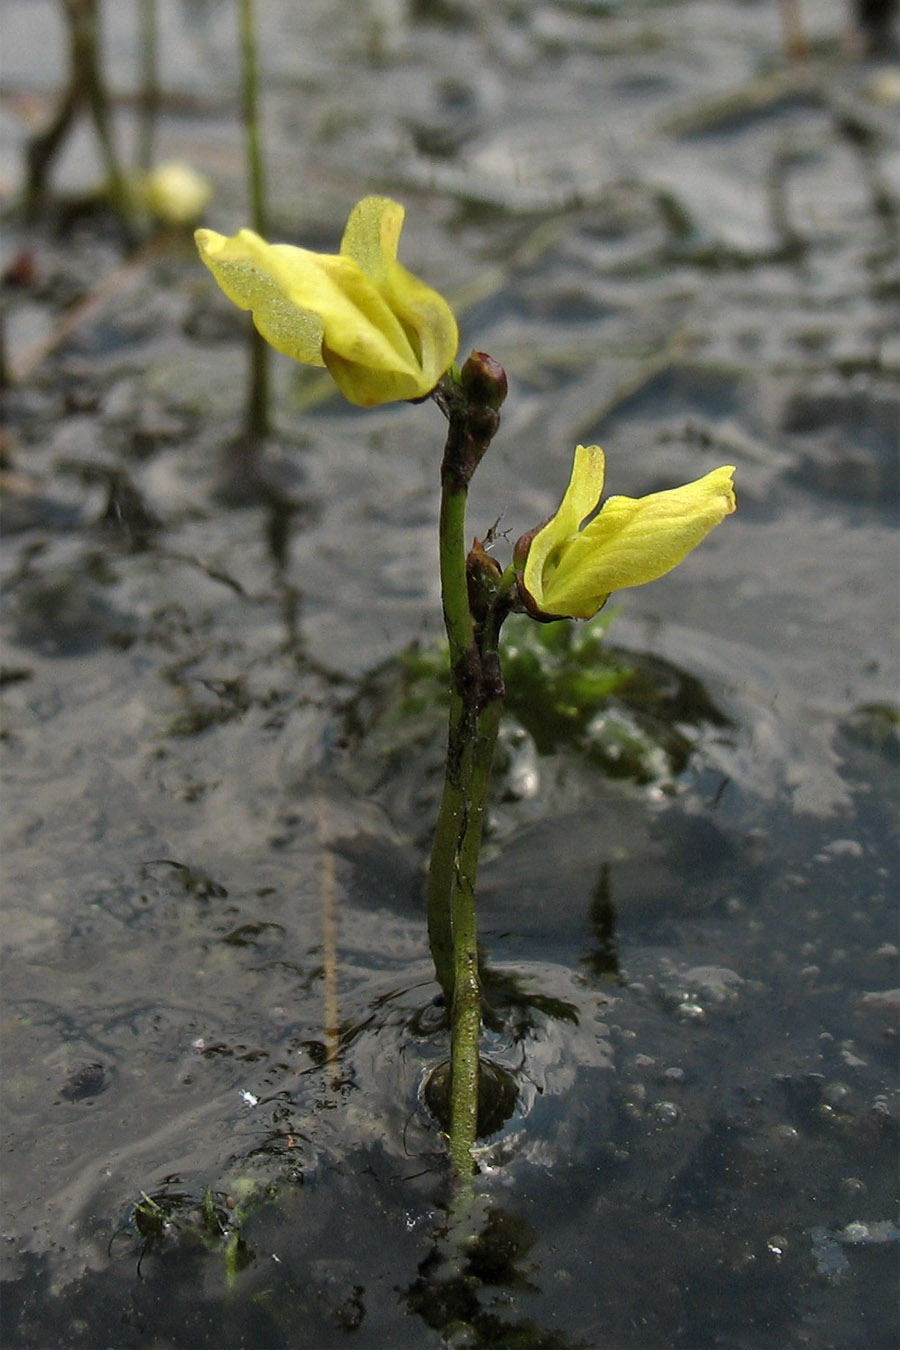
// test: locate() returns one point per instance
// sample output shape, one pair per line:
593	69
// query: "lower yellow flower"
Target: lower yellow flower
568	568
383	334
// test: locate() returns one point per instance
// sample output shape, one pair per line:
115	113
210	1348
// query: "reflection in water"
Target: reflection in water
603	958
467	1277
517	1011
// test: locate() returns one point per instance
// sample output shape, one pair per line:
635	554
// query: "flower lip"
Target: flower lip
569	566
383	334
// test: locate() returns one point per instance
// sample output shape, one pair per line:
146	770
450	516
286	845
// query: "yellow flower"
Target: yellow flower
175	193
568	569
383	334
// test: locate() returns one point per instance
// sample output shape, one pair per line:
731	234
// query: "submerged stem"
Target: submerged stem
467	988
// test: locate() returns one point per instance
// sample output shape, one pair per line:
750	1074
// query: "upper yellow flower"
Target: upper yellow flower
383	334
568	569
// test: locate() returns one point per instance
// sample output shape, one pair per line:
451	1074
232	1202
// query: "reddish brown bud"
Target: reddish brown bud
484	381
482	574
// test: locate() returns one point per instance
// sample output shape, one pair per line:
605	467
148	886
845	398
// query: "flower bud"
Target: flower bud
482	574
484	381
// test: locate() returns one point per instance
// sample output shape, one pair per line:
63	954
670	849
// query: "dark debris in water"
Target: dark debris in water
191	881
87	1081
66	611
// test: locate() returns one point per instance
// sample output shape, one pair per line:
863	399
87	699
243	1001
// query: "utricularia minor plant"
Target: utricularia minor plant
385	336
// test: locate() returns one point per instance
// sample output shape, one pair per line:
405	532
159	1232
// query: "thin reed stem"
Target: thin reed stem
149	99
257	424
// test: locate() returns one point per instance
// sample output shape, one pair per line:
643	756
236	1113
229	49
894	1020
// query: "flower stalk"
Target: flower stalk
471	404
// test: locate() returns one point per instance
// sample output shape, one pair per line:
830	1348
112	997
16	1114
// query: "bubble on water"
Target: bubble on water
666	1113
841	848
718	983
857	1233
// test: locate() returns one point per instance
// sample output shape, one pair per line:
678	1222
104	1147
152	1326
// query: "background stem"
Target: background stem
258	392
149	98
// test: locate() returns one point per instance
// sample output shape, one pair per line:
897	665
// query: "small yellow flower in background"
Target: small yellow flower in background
175	193
383	334
568	569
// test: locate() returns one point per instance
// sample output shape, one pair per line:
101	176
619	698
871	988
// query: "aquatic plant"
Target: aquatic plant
386	336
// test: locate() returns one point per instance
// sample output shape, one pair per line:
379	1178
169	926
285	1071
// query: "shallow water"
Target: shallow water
213	827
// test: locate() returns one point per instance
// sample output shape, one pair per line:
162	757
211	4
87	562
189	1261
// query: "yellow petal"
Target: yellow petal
635	540
372	235
428	322
579	500
366	387
258	277
360	326
371	239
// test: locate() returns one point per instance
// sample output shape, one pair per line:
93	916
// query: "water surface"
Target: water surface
684	252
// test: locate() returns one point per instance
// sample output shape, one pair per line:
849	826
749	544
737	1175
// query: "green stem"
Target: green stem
87	47
454	586
450	824
250	105
85	92
149	100
258	392
466	1020
452	814
472	733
